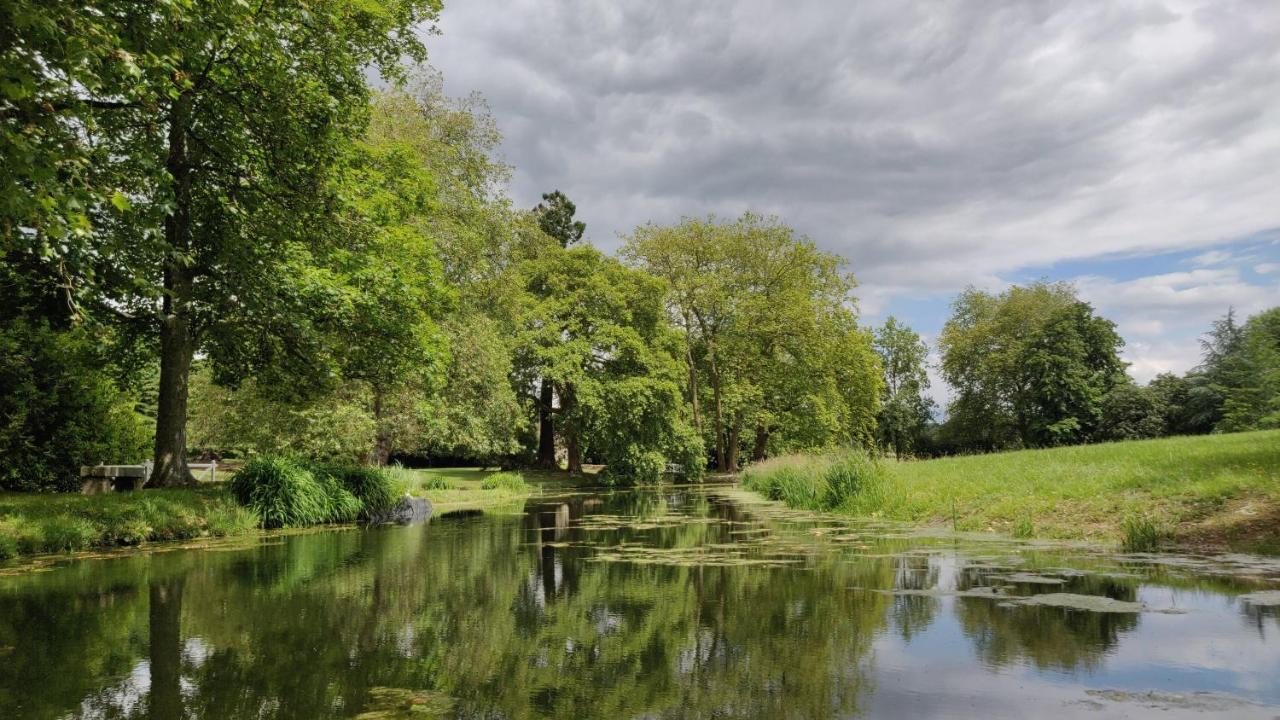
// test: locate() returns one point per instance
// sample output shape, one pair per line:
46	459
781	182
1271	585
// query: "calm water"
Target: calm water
679	604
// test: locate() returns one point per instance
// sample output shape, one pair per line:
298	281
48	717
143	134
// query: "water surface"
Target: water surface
680	603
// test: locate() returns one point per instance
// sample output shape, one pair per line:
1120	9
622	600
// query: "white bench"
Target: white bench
108	478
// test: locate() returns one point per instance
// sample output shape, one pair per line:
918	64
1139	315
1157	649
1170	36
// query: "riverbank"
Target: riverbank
1214	491
33	523
37	523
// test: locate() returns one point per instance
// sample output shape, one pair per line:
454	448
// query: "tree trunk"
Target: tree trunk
546	429
572	443
719	414
165	651
176	345
731	459
382	434
693	376
761	445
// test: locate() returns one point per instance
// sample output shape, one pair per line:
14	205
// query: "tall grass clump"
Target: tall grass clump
282	492
852	480
374	491
1141	534
509	481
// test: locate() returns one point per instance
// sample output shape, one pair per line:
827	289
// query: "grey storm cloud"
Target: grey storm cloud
933	144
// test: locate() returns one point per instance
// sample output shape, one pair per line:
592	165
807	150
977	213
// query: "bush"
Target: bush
636	466
62	408
509	481
282	492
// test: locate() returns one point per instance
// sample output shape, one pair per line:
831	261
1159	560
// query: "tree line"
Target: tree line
1035	366
219	236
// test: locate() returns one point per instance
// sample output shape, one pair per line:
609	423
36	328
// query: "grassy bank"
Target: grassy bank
473	488
1221	490
42	523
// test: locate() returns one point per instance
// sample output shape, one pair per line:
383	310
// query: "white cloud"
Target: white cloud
1160	316
935	145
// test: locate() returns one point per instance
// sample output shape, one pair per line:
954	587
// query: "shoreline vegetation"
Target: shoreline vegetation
306	496
1195	492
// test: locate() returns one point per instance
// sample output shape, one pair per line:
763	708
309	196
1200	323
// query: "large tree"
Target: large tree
905	411
1252	400
768	328
1029	366
215	129
555	215
596	330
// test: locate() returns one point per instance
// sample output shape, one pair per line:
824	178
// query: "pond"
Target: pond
685	602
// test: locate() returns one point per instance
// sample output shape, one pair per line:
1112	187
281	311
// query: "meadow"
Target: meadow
1211	490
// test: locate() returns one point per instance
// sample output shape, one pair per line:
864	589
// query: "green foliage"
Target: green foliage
1130	412
597	331
374	490
337	427
774	360
282	492
436	482
905	411
62	408
508	481
555	217
1029	366
1252	399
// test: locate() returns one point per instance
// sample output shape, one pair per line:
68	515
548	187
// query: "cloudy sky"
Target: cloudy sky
1131	147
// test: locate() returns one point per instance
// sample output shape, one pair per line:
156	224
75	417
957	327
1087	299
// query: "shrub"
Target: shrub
282	492
509	481
636	466
62	408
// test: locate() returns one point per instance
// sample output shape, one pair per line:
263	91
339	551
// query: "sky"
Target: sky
1132	148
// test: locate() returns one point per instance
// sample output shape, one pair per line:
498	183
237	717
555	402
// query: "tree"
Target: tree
905	411
596	330
555	218
1130	412
1252	392
1029	366
765	316
219	126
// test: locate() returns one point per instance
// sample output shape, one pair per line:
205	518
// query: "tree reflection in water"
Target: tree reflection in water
513	616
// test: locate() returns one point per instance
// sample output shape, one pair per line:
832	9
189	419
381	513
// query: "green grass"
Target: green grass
42	523
477	488
1215	489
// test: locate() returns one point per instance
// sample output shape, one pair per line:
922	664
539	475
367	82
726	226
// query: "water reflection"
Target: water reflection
640	604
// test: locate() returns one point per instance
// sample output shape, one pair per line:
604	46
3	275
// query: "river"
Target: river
684	602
